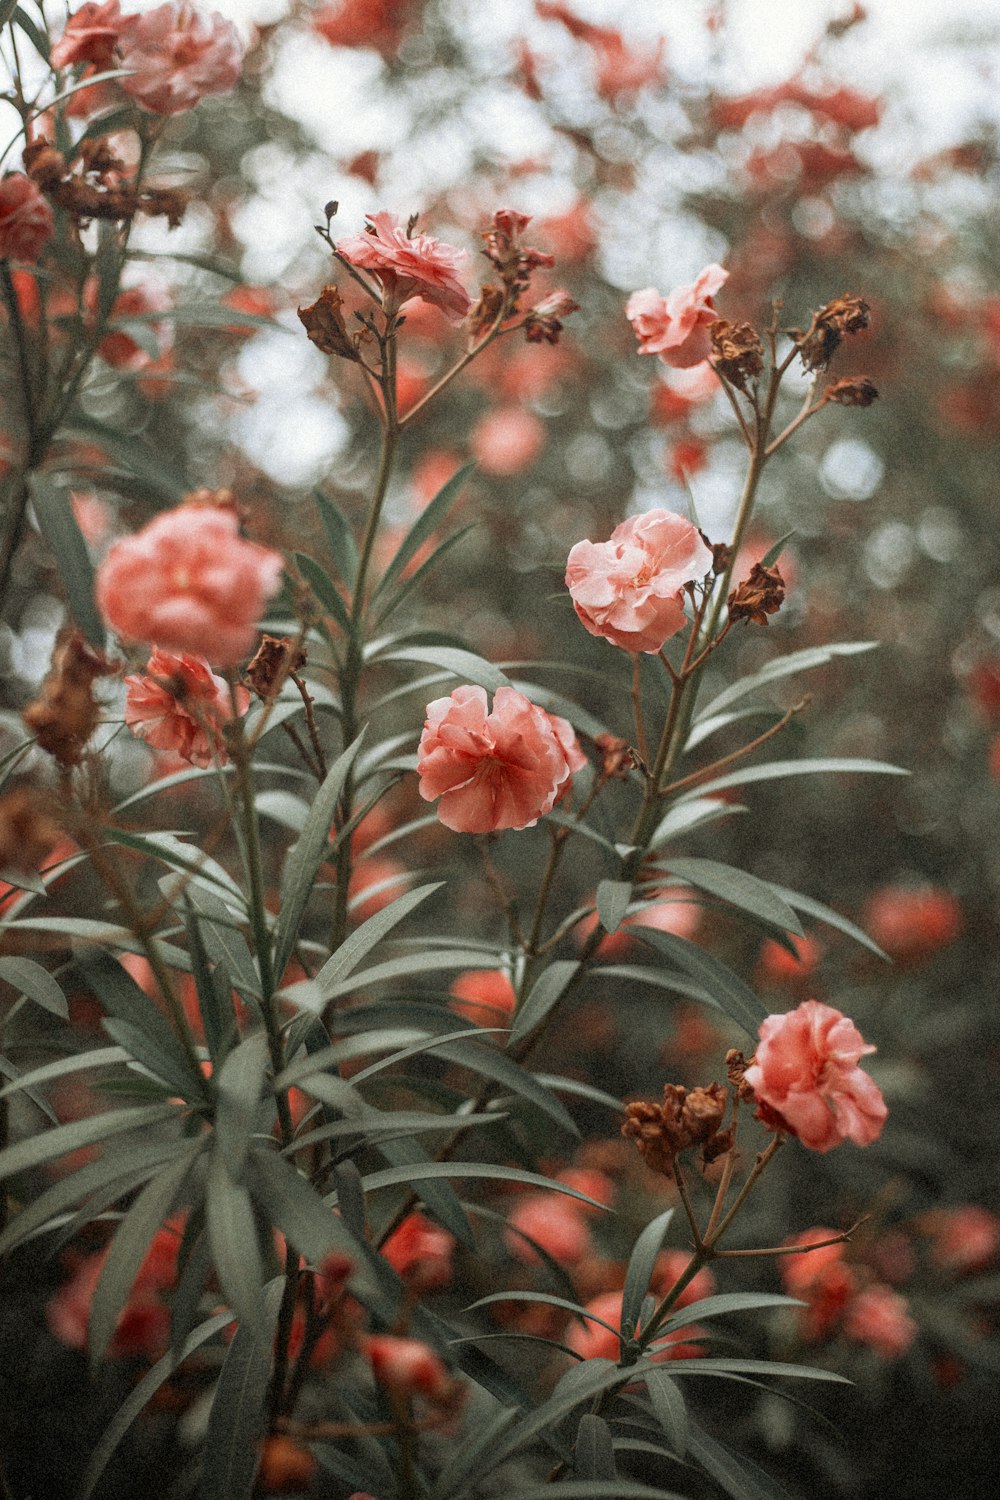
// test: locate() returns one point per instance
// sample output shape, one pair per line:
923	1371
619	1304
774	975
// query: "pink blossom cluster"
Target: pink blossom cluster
409	265
181	706
494	769
629	589
174	55
842	1295
26	220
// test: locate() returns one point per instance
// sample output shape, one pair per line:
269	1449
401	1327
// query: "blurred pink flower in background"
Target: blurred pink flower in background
178	56
807	1081
182	706
966	1239
879	1317
676	326
628	589
484	996
409	266
494	770
507	440
26	220
189	582
912	922
554	1222
89	37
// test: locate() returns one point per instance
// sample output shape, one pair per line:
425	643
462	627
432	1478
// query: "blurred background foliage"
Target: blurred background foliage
637	174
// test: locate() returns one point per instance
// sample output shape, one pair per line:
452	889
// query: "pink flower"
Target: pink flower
118	346
555	1223
26	221
629	588
407	1367
676	326
181	706
420	1252
90	36
178	56
189	582
807	1080
879	1317
911	923
496	770
405	266
966	1238
507	440
484	996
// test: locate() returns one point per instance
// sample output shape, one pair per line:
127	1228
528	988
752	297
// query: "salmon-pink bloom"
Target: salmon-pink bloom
177	56
182	706
484	996
676	326
507	440
407	1366
879	1317
807	1081
189	582
26	221
90	36
911	923
629	589
420	1252
496	770
966	1238
553	1222
409	266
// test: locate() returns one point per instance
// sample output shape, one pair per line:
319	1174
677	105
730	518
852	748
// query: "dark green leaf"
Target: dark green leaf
738	1476
98	1057
579	1090
777	770
340	538
395	1176
296	1208
350	1197
132	453
232	1234
482	1426
677	984
440	1198
240	1085
783	666
640	1268
169	1064
38	38
726	1368
35	982
427	566
129	1246
823	913
237	1418
305	857
49	1144
613	897
325	590
7	9
726	988
8	1070
564	1303
359	943
598	1489
668	1406
756	897
725	1302
465	665
546	992
224	944
423	527
594	1451
580	1384
402	968
59	527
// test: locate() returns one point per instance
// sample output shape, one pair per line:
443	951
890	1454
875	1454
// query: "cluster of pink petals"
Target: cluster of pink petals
26	221
880	1318
837	1297
494	770
178	56
407	1366
182	706
676	326
90	37
628	589
409	266
807	1082
143	1325
189	582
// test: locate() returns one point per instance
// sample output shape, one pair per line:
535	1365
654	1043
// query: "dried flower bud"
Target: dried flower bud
760	594
543	322
721	554
737	352
844	315
484	313
325	326
853	390
66	714
514	261
617	756
44	164
276	659
27	831
686	1118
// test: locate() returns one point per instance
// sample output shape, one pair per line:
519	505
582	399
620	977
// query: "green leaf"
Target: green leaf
143	1393
548	1298
594	1451
224	944
726	1368
360	942
98	1057
401	968
427	566
169	1064
726	988
579	1090
8	1070
439	1198
707	727
465	665
693	812
7	9
240	1085
723	1304
50	1144
129	1246
35	982
38	38
423	527
237	1418
832	918
350	1197
640	1268
578	1385
215	996
783	666
661	979
738	1476
294	1206
669	1407
613	897
58	524
546	992
402	1122
325	590
340	538
737	888
171	850
134	455
776	770
306	855
232	1234
481	1428
395	1176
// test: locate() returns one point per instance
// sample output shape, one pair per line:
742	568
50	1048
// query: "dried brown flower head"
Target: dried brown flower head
65	715
484	313
853	390
737	351
844	315
761	593
686	1118
543	322
276	659
721	554
27	830
93	185
324	323
617	756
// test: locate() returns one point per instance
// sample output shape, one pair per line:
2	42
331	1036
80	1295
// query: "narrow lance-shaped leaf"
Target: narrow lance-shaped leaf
613	897
594	1451
59	525
340	538
232	1234
640	1268
35	982
237	1417
359	943
465	665
746	892
783	666
725	987
423	527
546	992
738	1476
669	1407
50	1144
240	1084
417	577
777	770
305	857
325	590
